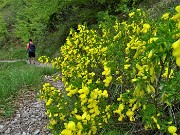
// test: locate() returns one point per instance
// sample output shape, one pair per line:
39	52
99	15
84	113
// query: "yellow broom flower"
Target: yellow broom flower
172	129
178	61
165	16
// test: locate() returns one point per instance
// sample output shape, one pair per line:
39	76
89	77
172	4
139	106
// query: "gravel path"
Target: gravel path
36	62
30	118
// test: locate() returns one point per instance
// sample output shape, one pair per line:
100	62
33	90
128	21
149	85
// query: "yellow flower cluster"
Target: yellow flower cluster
79	57
172	130
129	59
138	91
49	94
146	27
89	107
177	16
176	51
165	16
108	77
119	111
71	128
150	89
133	105
156	122
43	59
56	62
167	73
130	114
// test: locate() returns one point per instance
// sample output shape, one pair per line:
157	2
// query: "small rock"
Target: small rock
17	134
24	133
8	131
37	131
18	115
1	127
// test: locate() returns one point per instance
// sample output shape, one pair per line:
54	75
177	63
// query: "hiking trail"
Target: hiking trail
30	118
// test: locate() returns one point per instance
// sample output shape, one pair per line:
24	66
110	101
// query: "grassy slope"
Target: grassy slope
156	8
15	77
16	52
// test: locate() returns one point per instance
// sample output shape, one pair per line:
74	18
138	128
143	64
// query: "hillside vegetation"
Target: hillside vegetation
48	22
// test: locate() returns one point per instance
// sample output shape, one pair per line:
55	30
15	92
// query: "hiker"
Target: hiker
31	48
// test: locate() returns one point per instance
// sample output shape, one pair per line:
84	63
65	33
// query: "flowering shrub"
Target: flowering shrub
43	59
123	78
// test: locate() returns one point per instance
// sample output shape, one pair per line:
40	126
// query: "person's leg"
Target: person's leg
30	60
33	60
33	57
29	55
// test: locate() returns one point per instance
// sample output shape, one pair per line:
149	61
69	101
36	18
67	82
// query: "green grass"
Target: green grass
18	52
156	8
16	77
13	53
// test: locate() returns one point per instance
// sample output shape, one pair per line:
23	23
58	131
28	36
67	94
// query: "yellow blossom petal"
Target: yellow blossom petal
49	102
129	113
127	66
79	126
121	117
178	61
172	129
150	54
176	44
176	17
165	16
71	125
178	9
176	52
131	14
53	122
158	127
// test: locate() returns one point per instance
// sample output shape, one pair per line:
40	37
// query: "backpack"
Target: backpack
32	47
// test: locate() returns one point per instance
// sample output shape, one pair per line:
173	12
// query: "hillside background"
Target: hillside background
48	22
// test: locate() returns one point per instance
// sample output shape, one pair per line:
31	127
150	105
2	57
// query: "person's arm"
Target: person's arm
27	47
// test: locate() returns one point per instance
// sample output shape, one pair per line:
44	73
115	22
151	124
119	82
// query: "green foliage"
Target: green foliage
44	20
31	23
10	53
3	30
8	12
111	133
40	20
157	8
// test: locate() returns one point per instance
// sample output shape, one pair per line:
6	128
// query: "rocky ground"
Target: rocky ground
30	118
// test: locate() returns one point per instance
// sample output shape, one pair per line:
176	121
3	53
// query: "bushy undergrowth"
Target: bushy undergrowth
10	53
15	77
124	78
